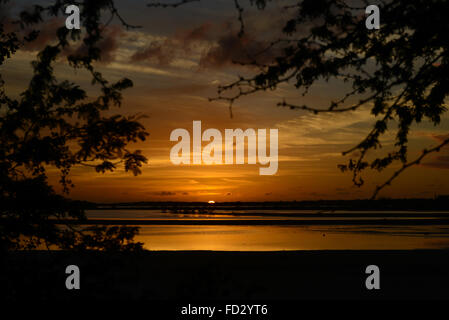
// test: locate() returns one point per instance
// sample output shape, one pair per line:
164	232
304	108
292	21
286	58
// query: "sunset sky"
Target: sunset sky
176	61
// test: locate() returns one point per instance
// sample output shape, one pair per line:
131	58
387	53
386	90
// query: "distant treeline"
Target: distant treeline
438	203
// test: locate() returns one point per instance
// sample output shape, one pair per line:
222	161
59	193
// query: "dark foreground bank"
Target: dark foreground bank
227	276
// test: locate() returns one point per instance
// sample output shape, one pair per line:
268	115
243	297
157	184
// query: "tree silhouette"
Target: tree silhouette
400	71
54	123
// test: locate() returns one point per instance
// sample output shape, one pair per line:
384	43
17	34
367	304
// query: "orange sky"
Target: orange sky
176	62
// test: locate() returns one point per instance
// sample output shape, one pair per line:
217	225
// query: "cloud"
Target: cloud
164	193
202	32
440	161
211	45
157	53
231	48
255	43
325	129
48	35
163	52
140	69
108	45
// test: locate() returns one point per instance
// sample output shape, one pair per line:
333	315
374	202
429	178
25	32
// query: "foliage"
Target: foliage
53	123
400	71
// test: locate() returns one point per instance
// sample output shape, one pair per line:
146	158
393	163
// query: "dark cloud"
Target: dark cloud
203	32
231	48
108	45
342	191
161	53
224	47
164	52
165	193
48	35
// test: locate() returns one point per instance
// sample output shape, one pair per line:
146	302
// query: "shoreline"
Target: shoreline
250	222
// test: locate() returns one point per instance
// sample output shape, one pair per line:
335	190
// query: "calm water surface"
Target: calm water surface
267	238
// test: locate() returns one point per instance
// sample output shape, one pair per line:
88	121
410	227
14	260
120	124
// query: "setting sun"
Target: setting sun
211	202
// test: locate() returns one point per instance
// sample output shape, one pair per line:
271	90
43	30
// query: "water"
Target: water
278	237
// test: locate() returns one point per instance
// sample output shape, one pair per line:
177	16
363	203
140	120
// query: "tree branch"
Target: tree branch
424	153
170	5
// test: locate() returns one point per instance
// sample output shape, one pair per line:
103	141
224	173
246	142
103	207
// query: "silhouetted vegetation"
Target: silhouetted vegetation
400	72
53	123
